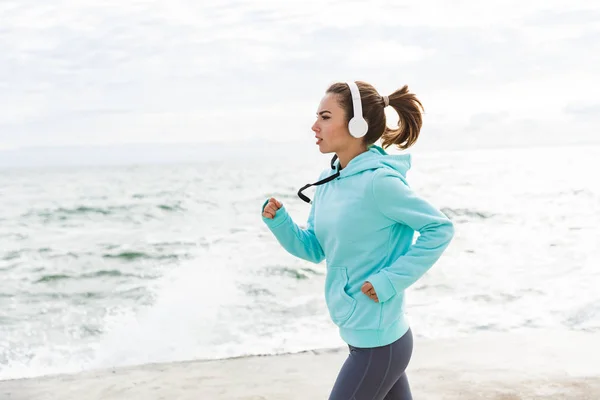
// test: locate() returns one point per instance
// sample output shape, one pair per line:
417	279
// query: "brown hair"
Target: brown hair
406	104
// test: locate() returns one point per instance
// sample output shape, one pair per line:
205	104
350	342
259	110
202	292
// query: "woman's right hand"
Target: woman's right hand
271	208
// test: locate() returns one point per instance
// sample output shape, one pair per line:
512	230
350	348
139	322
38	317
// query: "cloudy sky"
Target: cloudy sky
91	72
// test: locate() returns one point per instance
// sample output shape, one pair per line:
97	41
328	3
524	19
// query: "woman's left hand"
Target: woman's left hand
369	290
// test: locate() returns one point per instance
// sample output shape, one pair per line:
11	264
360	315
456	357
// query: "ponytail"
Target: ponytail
410	121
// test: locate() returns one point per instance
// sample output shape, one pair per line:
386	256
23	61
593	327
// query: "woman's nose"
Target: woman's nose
314	127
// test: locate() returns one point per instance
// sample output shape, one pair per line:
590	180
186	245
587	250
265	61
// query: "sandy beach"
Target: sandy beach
485	366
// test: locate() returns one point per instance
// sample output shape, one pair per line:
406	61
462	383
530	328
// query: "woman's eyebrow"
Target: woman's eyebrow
323	112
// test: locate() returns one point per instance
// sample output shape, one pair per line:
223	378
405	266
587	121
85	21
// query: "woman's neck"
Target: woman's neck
346	155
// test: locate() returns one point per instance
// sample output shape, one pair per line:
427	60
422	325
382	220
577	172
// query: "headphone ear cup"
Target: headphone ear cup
358	127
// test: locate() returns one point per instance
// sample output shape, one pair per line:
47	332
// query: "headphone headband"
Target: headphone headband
356	103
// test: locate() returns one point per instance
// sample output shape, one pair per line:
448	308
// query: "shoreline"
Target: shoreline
502	366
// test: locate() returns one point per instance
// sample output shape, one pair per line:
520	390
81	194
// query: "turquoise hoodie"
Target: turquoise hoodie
363	223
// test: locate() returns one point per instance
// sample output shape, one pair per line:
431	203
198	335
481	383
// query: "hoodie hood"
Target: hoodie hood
376	157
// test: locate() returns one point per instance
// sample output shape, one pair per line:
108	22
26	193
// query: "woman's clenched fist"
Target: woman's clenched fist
271	208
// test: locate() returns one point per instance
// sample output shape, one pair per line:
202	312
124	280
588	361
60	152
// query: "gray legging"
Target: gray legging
375	373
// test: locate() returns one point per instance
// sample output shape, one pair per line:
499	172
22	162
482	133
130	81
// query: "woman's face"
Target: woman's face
331	128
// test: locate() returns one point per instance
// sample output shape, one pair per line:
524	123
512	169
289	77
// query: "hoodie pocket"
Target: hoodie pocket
339	303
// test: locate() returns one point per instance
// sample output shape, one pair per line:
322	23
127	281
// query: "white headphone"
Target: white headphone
357	126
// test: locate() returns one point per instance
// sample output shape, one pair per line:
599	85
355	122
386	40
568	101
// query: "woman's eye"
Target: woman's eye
325	117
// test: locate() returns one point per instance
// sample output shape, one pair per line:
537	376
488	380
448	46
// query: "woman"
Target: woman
362	221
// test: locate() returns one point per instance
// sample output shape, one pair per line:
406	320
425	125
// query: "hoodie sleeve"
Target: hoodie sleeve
299	242
401	204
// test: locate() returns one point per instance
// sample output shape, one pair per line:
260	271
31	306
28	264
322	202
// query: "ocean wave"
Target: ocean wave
135	293
43	297
577	192
281	195
166	207
8	267
111	272
495	298
33	297
164	193
456	213
581	317
90	330
296	273
62	213
16	254
11	255
89	295
438	287
87	210
255	291
52	278
14	236
48	253
176	243
136	255
71	255
102	273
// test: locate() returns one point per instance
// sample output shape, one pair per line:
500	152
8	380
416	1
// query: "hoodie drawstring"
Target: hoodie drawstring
321	182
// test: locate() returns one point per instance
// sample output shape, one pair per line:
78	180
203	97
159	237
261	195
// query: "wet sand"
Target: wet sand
486	366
